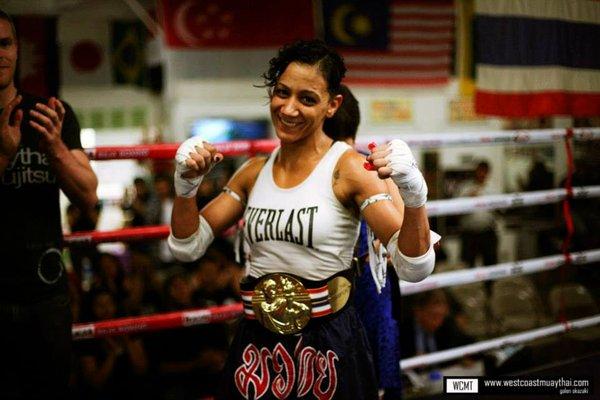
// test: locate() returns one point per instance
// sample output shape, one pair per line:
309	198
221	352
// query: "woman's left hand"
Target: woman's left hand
395	160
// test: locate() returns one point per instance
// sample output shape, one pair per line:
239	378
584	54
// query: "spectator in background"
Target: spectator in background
114	367
145	267
109	274
141	208
40	154
188	361
216	276
539	178
141	204
429	326
163	187
213	283
138	298
478	228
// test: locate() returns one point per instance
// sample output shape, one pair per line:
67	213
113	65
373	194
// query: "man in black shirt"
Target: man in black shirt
40	153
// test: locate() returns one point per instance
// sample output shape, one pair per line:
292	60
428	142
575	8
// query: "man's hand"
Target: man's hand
48	121
10	133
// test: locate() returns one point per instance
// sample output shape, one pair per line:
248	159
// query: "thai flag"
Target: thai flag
537	58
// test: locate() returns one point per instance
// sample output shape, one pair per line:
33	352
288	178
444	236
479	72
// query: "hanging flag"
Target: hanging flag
37	71
465	64
84	49
395	42
537	58
235	24
128	53
357	25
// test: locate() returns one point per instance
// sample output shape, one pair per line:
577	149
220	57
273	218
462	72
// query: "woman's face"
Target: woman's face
300	102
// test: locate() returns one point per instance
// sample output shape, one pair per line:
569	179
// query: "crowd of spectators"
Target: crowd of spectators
143	280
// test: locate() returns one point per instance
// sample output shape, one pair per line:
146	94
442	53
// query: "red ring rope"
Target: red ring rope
568	217
566	202
123	326
134	234
166	151
119	235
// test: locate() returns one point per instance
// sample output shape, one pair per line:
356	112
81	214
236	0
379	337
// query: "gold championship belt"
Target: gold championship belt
282	304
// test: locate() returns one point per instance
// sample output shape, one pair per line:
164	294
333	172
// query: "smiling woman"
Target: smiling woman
300	102
301	335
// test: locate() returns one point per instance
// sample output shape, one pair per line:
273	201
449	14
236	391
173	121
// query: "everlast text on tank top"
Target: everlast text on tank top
303	230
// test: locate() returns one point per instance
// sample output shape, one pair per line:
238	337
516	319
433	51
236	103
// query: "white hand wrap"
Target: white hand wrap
406	174
193	247
186	187
412	269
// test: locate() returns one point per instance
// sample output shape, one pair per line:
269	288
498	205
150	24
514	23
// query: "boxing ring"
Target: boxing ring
454	206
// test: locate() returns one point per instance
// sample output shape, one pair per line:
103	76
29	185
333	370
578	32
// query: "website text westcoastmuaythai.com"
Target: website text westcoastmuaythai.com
519	385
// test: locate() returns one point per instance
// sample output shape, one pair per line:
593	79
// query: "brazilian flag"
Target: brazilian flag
356	24
128	44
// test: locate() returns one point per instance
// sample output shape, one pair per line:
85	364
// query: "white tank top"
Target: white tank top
303	230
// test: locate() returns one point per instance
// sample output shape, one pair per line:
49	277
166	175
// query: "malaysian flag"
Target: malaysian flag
397	42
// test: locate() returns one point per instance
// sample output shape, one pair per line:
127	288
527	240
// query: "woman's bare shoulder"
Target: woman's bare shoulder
245	177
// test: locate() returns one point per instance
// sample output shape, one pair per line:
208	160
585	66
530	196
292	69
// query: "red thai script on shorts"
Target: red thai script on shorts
312	371
253	372
283	366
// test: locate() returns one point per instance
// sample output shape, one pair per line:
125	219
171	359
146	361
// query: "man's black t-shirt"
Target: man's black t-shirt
30	213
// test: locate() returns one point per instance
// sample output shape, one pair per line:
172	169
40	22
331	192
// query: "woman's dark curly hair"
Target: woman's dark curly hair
309	52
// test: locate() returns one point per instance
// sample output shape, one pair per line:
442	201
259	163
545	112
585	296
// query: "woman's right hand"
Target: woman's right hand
194	159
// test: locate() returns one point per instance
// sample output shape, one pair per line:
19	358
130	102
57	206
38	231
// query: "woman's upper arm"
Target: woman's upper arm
225	210
356	185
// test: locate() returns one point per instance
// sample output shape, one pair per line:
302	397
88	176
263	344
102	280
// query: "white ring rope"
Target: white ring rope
525	136
509	340
464	205
498	271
